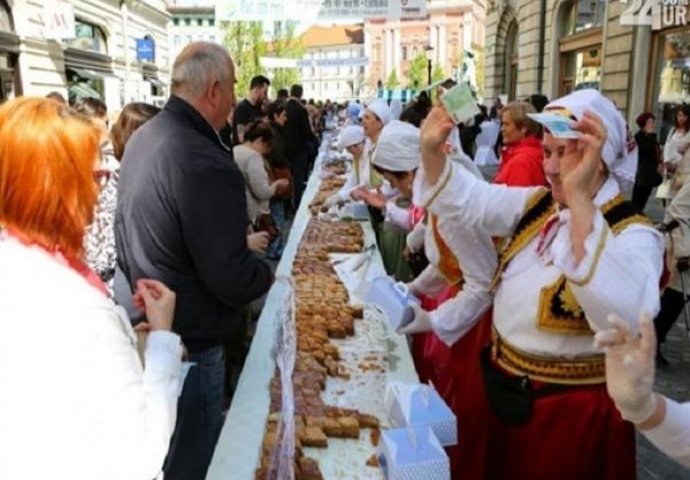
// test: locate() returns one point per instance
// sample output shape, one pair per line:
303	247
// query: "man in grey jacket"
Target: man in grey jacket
182	219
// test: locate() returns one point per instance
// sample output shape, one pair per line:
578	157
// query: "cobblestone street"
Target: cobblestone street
673	381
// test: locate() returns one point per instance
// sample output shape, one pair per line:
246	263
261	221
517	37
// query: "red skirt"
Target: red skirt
572	435
457	376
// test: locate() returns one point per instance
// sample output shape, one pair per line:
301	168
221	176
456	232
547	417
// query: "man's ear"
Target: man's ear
213	92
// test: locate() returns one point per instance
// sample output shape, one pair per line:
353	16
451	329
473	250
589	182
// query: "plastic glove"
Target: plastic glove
630	367
420	323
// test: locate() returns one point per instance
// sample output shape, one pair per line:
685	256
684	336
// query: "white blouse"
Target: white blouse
619	274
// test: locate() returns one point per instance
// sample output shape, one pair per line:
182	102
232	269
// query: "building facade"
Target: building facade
192	21
589	44
118	50
333	64
450	28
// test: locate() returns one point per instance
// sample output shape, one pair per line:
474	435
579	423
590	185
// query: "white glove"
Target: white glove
420	323
630	367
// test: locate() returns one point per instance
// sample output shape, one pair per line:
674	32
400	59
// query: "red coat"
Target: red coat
522	164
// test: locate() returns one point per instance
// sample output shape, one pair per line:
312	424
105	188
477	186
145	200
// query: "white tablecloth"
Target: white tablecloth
239	446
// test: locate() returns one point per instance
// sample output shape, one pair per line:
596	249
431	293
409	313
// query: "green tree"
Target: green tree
285	45
479	65
437	74
392	81
245	43
416	75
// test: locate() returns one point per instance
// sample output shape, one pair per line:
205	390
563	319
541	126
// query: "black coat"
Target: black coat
297	131
648	158
182	219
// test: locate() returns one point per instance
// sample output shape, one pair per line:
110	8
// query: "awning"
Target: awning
155	82
87	74
82	90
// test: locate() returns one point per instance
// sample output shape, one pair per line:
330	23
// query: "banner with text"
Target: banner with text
317	10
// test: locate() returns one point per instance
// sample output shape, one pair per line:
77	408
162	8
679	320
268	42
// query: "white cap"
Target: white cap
398	148
379	107
351	135
620	150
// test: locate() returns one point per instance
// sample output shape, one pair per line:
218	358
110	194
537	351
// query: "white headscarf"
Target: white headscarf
351	135
380	108
620	151
398	148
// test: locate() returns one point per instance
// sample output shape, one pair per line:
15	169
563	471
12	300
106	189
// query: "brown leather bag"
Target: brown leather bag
278	173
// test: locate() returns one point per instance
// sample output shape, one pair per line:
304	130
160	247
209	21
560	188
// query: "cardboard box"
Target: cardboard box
412	453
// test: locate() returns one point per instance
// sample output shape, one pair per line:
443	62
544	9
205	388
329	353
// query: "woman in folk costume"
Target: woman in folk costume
677	149
397	158
452	361
572	256
353	141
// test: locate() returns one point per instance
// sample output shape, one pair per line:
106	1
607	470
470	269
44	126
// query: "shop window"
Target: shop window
671	75
581	69
89	37
583	15
512	59
5	18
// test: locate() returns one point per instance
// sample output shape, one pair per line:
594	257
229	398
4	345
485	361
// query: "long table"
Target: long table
239	446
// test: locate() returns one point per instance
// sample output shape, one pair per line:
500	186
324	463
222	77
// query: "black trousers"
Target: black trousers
299	165
640	195
672	302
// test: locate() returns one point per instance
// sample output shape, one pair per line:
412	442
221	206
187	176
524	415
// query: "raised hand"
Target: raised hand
434	134
582	159
630	367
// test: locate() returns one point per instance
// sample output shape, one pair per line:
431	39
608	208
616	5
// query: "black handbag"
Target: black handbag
510	397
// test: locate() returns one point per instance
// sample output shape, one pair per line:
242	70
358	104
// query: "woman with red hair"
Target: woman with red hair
76	401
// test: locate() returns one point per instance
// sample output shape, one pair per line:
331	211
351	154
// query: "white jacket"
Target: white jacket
75	400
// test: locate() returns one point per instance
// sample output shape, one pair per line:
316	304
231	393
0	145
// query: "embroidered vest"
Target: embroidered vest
448	264
559	311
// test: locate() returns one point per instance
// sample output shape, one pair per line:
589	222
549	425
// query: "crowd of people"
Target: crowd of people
126	247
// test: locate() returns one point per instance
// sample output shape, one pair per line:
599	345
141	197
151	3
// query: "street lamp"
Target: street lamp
429	56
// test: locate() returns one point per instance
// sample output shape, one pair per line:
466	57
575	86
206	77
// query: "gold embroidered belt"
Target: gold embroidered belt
581	371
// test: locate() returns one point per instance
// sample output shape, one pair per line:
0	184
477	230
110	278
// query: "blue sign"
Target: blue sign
146	49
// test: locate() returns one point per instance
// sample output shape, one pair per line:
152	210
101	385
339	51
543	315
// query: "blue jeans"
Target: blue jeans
199	418
275	249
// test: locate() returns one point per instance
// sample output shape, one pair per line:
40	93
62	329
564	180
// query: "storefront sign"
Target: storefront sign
146	49
321	10
656	13
58	21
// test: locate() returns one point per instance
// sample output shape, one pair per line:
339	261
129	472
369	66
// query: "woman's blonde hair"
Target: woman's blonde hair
518	112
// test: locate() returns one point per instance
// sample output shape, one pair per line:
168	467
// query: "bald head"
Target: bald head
204	75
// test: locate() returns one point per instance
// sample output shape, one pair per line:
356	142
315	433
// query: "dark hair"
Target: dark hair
57	96
275	109
538	101
398	175
413	115
283	93
685	108
259	129
296	91
91	107
259	81
133	116
642	118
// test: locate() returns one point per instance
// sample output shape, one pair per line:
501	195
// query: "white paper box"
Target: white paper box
421	405
412	454
391	298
